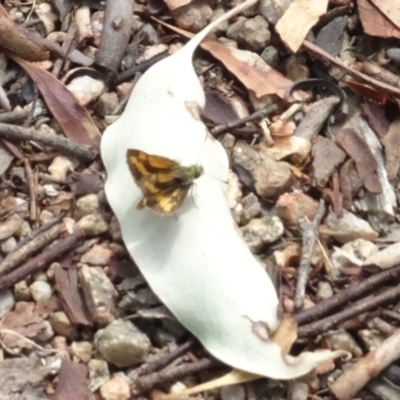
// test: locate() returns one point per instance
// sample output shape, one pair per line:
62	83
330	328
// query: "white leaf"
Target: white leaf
195	261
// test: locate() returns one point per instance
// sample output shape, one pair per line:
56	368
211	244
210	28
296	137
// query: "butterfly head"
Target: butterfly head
191	173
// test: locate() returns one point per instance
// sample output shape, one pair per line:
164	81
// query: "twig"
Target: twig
32	190
43	239
382	326
359	374
352	292
146	382
28	121
57	142
324	56
242	121
13	116
142	67
42	260
115	34
391	314
362	306
309	232
164	360
66	46
36	232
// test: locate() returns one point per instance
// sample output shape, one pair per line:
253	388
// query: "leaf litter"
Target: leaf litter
275	188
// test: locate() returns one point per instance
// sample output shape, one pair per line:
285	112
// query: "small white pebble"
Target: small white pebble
40	291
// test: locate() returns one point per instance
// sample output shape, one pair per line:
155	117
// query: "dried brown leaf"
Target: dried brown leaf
376	118
286	334
390	9
326	157
306	14
391	142
259	83
74	119
374	22
356	147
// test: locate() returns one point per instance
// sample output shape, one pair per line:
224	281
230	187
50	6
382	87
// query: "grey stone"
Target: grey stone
106	104
270	55
252	33
260	231
122	344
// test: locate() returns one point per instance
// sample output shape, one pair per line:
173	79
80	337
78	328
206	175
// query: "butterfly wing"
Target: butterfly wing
142	164
163	182
155	183
167	201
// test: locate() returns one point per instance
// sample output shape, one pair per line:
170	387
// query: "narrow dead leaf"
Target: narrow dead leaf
259	83
390	9
74	119
306	13
375	115
72	382
391	142
374	22
356	147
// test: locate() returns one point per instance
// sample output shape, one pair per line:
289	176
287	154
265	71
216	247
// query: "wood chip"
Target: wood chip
72	382
70	296
391	142
356	147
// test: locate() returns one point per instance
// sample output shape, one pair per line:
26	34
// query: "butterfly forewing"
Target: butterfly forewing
163	182
142	164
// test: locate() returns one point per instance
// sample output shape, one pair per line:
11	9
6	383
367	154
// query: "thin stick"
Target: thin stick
242	121
42	260
164	360
362	306
57	142
36	232
146	382
19	256
324	56
309	239
32	190
352	292
13	116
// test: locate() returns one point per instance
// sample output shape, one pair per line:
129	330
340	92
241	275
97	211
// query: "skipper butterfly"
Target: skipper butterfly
163	182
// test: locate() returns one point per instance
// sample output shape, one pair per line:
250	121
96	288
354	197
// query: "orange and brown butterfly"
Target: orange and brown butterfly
163	182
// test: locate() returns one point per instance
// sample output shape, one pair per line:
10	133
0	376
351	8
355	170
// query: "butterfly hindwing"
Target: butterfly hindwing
166	202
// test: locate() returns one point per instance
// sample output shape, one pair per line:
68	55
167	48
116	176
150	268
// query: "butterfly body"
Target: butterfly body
163	182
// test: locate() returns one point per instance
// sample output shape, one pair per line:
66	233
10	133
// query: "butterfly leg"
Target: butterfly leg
141	204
